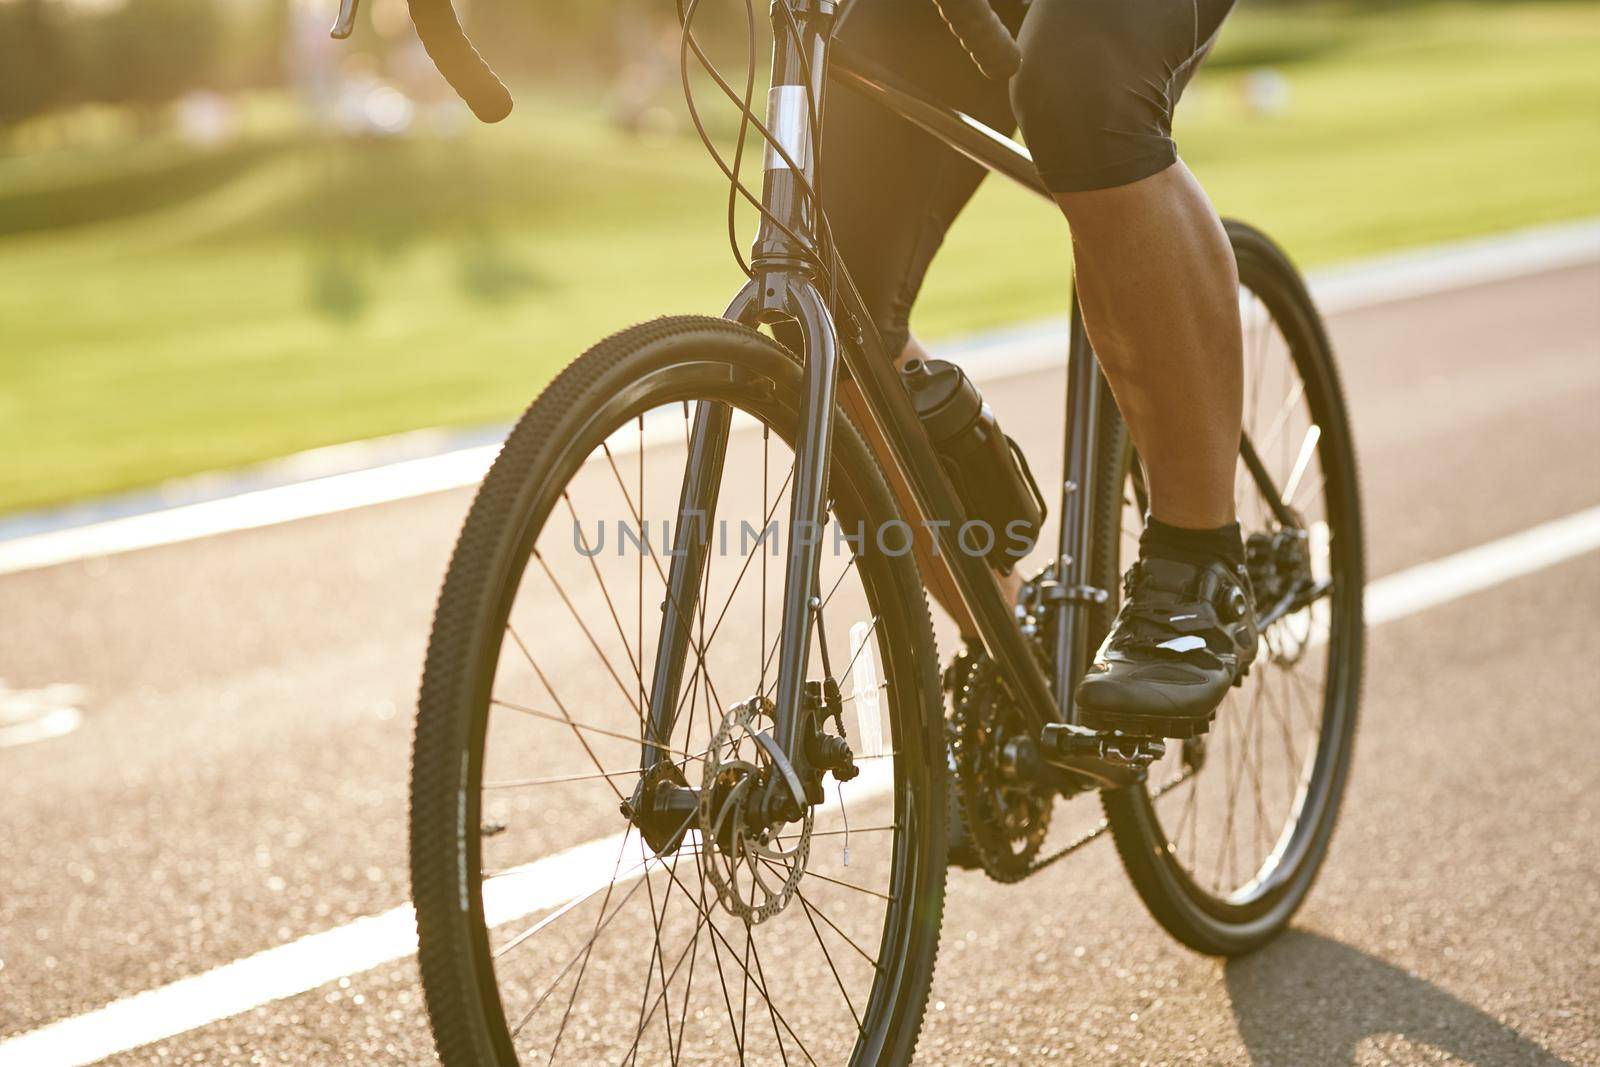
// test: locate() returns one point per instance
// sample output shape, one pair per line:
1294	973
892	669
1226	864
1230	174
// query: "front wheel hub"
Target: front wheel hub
663	808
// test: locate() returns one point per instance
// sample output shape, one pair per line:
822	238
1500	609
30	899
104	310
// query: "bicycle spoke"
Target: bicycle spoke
602	920
722	614
1281	419
560	779
586	727
772	1011
849	885
836	928
773	650
722	979
644	699
612	671
1308	452
760	984
565	717
806	907
1292	771
853	830
565	909
1183	815
656	961
645	1020
632	510
1315	487
1255	780
1225	843
635	512
688	991
583	539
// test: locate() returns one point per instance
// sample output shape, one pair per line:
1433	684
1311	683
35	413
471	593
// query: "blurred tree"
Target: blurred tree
34	61
148	52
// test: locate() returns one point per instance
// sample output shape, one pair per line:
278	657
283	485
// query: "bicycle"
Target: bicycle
563	763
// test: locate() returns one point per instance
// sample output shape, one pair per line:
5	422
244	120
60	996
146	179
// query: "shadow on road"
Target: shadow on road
1307	1001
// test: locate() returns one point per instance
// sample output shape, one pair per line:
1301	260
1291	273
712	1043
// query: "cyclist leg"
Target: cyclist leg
1159	290
891	192
1096	93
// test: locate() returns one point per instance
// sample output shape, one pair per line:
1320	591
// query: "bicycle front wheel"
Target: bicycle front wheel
1225	838
557	924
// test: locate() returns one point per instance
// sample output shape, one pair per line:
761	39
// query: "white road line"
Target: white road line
1515	556
30	715
1424	271
549	883
278	973
264	507
993	356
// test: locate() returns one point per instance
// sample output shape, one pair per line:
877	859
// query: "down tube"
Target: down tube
890	406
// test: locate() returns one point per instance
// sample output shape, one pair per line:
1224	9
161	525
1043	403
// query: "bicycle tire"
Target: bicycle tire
1239	921
743	367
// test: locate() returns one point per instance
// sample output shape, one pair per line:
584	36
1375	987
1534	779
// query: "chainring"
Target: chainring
1006	822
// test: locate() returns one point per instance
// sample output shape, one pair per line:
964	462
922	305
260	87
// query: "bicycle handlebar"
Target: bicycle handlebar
983	35
974	23
447	45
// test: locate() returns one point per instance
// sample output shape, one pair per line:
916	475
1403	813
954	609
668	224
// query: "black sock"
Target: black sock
1199	547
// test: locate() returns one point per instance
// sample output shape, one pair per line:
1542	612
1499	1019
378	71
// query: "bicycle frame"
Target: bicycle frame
787	285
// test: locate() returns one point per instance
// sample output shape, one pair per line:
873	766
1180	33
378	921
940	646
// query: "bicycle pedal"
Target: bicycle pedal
1061	741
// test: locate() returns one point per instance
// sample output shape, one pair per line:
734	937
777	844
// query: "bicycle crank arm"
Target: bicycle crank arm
1301	598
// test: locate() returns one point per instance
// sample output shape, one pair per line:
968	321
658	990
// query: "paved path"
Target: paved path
239	778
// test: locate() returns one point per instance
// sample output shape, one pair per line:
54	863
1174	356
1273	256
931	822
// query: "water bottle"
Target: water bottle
987	468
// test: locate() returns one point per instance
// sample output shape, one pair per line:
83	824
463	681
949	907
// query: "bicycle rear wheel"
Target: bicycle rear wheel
551	928
1225	838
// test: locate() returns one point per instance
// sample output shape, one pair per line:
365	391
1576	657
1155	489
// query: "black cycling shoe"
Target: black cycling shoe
1184	635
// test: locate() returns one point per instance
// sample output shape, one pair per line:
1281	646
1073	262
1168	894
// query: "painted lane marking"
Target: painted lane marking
29	715
552	882
51	539
248	511
301	500
1474	569
545	885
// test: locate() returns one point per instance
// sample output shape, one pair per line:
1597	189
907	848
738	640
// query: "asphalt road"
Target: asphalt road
240	778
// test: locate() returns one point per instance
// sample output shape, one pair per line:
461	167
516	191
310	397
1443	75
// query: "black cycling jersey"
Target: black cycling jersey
1094	99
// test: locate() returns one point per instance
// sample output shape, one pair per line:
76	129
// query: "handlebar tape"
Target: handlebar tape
447	45
983	35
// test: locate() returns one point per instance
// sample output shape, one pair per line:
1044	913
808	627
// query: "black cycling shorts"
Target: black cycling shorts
1094	99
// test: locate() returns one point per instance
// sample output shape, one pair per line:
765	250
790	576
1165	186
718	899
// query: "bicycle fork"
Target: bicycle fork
780	297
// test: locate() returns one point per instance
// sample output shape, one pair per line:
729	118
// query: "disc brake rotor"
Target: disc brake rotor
755	869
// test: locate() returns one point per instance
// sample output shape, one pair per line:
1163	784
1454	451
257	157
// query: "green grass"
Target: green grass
163	313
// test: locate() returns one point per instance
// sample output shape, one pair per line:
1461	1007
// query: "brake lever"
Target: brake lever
345	24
